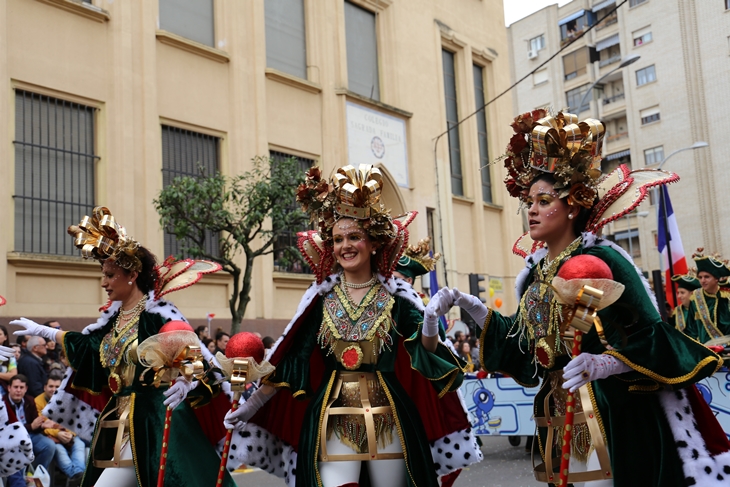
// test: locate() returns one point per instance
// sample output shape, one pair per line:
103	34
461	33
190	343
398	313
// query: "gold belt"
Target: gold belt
366	411
121	424
549	470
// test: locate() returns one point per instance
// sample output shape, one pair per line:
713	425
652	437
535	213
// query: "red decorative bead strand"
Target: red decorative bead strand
165	443
569	412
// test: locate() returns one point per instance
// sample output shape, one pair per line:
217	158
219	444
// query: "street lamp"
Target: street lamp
697	145
625	62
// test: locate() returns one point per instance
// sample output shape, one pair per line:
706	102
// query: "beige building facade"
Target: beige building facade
105	101
673	96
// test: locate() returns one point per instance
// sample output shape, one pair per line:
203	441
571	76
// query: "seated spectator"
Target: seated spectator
51	361
70	449
21	407
31	365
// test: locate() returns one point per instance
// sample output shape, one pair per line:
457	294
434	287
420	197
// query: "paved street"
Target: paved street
503	466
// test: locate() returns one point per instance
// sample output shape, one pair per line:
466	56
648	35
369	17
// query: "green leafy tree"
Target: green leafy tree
248	212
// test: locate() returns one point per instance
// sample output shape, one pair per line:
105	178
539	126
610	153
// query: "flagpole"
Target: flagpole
667	238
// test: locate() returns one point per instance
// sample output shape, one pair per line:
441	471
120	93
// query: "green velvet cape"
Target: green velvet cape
293	372
639	439
696	329
191	459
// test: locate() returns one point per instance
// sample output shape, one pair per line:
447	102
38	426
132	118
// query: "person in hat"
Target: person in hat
686	284
708	317
380	389
111	399
416	261
634	372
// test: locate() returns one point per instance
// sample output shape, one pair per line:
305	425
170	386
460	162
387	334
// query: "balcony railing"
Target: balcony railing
612	19
611	60
613	99
618	136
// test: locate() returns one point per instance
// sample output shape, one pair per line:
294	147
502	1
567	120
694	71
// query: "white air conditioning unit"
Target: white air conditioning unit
531	54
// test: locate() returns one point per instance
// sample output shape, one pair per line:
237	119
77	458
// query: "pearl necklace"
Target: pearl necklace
128	315
361	285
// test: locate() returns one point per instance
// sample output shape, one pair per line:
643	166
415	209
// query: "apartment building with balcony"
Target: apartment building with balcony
668	99
105	101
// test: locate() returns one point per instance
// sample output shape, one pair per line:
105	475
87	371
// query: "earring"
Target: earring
570	216
373	252
130	283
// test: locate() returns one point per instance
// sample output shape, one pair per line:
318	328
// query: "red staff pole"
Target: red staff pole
165	442
227	443
568	428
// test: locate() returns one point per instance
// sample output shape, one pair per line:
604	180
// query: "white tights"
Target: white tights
383	473
119	477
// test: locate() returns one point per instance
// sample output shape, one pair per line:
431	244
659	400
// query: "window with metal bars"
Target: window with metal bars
284	261
188	153
54	171
482	136
452	120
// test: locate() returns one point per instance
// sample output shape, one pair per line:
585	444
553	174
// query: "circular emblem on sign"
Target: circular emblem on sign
377	146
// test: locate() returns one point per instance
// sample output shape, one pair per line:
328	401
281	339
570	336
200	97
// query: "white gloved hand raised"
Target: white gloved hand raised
178	392
245	411
472	305
30	327
439	305
6	353
588	367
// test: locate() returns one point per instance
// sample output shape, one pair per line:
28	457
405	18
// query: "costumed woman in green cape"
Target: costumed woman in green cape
364	387
708	317
636	412
109	397
686	284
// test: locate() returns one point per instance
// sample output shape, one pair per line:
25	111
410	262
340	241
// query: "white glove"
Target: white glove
588	367
6	353
33	328
245	411
178	392
472	305
439	305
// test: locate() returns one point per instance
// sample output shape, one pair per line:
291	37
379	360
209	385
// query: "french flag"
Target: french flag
669	227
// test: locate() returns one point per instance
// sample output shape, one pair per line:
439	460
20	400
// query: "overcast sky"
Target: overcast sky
515	10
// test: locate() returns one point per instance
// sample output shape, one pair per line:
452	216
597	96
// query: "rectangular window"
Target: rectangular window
452	118
540	76
645	75
286	46
538	43
54	171
574	97
727	4
634	3
574	25
655	155
362	51
649	115
481	116
576	63
192	19
284	259
186	153
642	36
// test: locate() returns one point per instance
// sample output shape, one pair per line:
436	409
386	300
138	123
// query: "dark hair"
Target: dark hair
201	328
147	276
19	377
21	340
6	343
580	222
220	334
206	341
268	342
53	375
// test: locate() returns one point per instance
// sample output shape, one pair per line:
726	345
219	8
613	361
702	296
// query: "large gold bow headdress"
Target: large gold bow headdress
560	145
100	237
358	190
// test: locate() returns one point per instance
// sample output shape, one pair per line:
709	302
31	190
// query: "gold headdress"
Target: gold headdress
351	193
559	145
100	237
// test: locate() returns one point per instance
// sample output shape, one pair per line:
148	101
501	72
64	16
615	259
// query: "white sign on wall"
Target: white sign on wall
374	137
